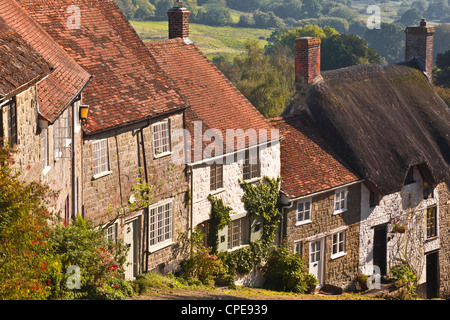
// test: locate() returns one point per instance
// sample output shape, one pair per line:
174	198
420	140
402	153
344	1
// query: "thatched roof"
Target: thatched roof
381	121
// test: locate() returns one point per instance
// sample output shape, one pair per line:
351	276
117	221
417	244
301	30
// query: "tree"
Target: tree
382	39
442	74
127	7
410	17
265	80
215	13
344	50
25	262
144	10
311	8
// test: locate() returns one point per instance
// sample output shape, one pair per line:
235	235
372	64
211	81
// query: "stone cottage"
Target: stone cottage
41	98
393	130
321	199
227	138
128	134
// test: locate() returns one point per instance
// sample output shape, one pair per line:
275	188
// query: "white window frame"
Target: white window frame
241	223
338	244
303	204
111	232
62	135
160	225
340	205
298	247
102	168
45	149
160	142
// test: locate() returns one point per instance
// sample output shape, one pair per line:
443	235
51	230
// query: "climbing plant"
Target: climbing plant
220	217
261	200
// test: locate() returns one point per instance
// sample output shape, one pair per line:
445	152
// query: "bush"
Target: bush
285	272
99	260
406	280
203	266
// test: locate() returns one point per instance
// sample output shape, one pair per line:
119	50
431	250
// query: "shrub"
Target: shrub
406	280
100	262
203	266
24	249
285	272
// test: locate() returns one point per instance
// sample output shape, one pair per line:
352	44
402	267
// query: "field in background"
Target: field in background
210	40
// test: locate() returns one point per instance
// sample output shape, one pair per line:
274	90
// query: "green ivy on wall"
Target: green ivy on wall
261	200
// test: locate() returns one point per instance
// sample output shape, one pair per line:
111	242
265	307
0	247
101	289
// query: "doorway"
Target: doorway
131	240
316	249
432	273
380	248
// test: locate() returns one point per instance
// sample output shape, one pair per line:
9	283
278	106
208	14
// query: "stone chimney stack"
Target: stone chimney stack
419	45
307	59
178	21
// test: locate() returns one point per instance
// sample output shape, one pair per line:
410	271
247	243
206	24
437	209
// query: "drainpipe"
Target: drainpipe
283	218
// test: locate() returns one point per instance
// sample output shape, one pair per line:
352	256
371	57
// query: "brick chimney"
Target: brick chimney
307	59
178	21
419	45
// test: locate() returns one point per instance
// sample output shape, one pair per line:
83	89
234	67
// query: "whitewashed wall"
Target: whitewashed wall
231	192
391	207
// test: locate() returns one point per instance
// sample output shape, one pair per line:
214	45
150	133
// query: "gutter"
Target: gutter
321	191
191	164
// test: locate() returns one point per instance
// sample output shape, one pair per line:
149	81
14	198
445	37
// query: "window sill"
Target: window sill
237	248
160	246
46	170
253	180
217	191
338	255
161	155
300	223
101	174
339	211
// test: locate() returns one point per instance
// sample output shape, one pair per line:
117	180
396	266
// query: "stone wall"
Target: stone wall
324	223
444	233
28	157
130	152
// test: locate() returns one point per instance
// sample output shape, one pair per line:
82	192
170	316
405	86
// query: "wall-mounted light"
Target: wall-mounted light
84	109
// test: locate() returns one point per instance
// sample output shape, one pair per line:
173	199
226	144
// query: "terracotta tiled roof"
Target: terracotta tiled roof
308	165
20	65
213	99
127	85
68	78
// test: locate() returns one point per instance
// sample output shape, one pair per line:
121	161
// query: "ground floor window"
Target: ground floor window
238	233
160	223
338	246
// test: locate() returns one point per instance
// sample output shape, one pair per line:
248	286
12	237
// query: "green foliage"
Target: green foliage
214	13
262	200
406	280
442	73
220	217
25	262
444	93
203	266
381	41
99	260
265	80
285	272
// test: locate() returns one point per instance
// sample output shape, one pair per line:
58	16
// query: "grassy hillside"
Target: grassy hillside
211	40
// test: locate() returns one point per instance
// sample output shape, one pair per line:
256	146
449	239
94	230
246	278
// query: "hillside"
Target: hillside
213	41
